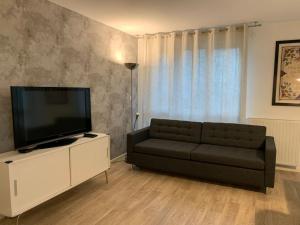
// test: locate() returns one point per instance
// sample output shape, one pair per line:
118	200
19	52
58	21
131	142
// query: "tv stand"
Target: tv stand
57	143
27	180
52	144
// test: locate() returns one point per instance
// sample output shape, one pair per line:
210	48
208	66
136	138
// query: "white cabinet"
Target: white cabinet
39	179
27	180
86	160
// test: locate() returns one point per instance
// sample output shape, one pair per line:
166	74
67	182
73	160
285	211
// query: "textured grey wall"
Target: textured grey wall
43	44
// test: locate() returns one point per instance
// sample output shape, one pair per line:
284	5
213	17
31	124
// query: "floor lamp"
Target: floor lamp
131	66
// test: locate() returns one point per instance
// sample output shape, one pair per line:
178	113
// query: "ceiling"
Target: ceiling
141	16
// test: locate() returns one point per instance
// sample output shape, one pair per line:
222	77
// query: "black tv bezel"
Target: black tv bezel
19	143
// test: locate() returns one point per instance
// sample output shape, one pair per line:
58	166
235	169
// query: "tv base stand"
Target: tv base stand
25	150
52	144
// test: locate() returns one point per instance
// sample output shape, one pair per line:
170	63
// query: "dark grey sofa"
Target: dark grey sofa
231	153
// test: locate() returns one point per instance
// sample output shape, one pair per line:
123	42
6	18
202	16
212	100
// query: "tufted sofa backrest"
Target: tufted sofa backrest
236	135
175	130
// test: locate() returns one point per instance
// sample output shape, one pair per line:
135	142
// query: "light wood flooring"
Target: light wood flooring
141	197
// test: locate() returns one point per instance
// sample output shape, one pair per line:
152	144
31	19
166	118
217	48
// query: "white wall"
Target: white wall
261	51
260	72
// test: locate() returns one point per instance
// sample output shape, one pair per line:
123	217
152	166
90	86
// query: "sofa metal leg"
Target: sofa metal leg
134	167
106	176
264	190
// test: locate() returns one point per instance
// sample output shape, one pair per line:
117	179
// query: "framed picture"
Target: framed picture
286	83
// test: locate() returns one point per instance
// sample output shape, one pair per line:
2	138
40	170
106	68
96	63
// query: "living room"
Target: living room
149	112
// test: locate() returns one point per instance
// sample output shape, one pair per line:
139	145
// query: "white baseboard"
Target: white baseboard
119	158
288	168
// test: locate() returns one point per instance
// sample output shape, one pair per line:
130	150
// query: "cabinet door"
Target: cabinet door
89	159
37	179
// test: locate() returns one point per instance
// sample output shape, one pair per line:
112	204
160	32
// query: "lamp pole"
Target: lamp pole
131	66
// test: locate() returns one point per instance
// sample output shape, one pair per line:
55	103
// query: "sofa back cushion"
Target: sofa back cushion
237	135
176	130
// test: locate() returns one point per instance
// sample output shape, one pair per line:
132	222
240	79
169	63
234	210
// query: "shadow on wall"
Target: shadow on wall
288	202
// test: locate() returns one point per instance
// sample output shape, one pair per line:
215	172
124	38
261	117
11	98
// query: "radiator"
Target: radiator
287	139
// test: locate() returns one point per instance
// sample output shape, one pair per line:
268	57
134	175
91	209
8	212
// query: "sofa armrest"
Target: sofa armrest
270	161
135	137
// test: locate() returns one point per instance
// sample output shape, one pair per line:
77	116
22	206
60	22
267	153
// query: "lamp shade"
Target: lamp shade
131	66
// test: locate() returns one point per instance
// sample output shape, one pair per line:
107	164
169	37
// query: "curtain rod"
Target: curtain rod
207	29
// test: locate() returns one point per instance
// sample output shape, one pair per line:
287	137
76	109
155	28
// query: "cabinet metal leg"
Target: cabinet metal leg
18	218
106	176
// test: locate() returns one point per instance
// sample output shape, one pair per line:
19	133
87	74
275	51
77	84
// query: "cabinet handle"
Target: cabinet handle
16	187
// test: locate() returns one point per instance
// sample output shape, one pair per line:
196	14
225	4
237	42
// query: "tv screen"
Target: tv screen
42	114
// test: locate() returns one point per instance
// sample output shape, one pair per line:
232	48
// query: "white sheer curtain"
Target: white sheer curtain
195	76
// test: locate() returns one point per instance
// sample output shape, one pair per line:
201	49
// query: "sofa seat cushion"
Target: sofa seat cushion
167	148
231	156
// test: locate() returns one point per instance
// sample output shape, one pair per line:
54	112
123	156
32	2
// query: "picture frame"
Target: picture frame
286	82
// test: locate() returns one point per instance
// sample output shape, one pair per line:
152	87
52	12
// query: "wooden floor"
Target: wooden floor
138	197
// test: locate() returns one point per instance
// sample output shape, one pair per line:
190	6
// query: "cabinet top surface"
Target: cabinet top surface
15	155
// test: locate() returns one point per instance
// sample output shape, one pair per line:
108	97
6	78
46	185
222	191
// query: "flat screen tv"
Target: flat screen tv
45	114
